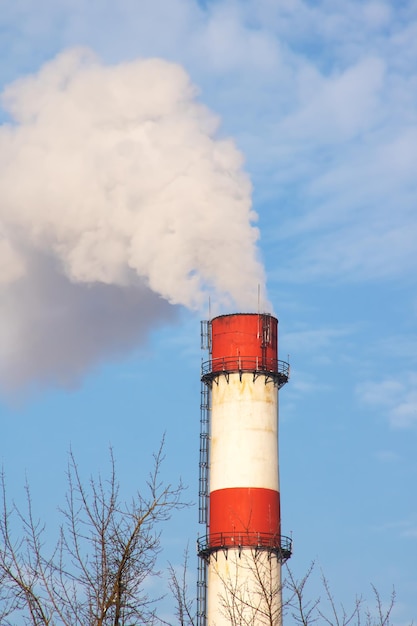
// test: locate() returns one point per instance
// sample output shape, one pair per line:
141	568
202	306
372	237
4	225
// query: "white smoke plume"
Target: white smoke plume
118	199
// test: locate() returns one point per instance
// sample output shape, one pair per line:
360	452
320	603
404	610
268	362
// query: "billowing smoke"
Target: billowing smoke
118	199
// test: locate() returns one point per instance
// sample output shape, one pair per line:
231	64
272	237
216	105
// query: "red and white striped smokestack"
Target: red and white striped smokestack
243	550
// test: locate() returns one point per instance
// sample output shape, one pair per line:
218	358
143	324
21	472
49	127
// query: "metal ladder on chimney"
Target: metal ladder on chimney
203	487
204	453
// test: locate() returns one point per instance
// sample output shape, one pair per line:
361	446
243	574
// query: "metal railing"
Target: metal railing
257	365
250	363
274	542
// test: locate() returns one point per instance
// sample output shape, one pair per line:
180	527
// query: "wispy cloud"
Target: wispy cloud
386	456
313	339
403	528
399	346
395	397
303	382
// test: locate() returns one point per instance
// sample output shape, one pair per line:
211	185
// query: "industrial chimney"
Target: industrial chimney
241	553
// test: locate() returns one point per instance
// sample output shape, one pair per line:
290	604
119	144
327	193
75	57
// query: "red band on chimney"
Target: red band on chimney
251	514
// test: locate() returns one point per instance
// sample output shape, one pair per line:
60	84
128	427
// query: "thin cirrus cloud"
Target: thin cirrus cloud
397	398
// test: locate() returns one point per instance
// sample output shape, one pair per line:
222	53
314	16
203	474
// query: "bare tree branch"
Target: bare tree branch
106	551
343	618
303	612
184	610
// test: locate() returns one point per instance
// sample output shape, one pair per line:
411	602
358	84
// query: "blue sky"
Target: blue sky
320	98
